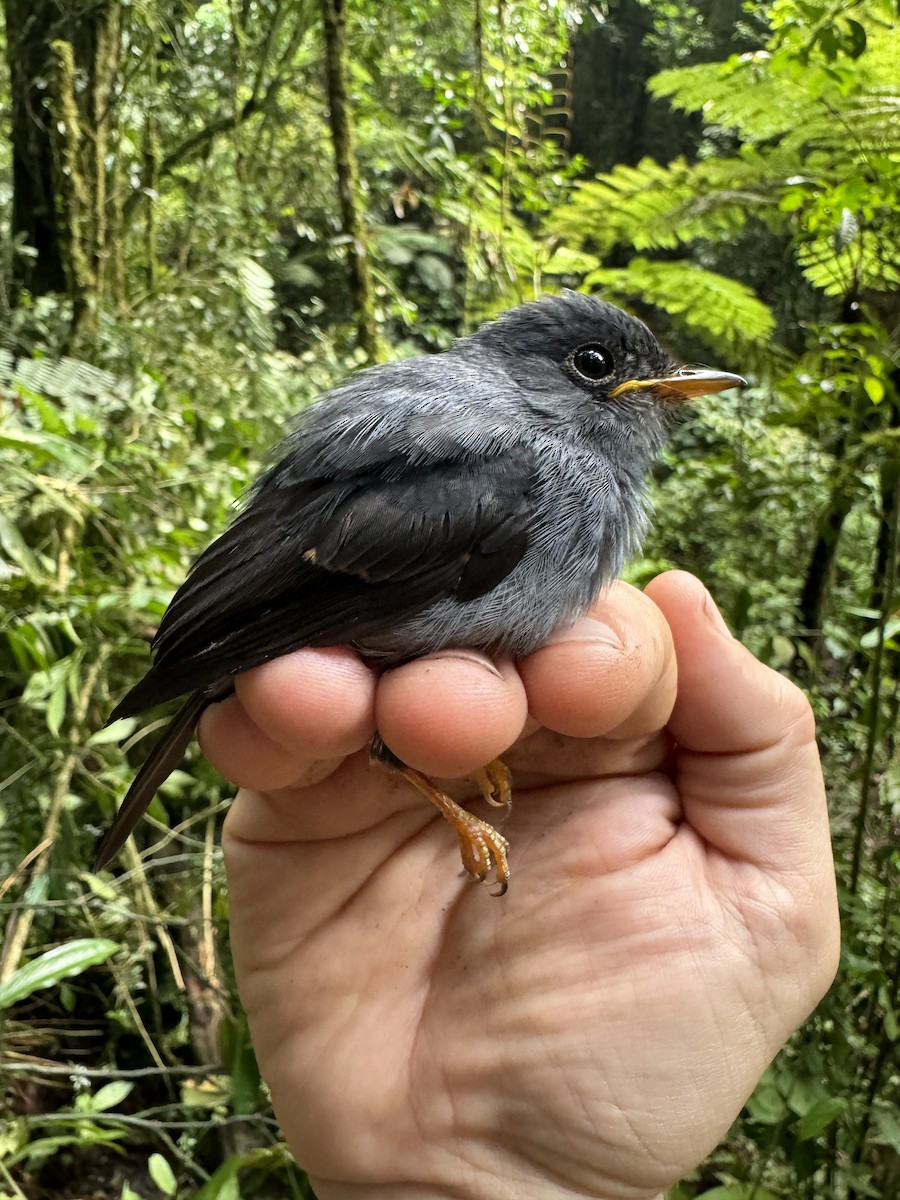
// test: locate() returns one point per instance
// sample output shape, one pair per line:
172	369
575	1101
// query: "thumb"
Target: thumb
747	763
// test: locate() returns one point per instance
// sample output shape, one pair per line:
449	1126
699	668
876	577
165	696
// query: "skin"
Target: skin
671	918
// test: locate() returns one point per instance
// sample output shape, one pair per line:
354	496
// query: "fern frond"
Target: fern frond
717	309
766	98
59	377
740	94
864	264
651	207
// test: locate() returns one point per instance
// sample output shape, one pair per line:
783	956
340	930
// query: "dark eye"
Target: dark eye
592	362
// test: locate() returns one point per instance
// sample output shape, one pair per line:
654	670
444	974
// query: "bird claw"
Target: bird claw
483	850
495	782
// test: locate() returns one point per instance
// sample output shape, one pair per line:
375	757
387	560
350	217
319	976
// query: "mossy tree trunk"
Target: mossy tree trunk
334	25
63	63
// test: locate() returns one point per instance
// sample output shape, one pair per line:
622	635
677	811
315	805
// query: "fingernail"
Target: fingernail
469	656
589	629
714	617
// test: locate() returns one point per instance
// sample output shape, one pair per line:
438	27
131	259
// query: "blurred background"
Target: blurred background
209	213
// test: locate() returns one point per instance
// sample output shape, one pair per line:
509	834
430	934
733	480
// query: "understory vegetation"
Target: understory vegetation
211	212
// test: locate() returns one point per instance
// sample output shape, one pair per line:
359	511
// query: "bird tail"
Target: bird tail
160	763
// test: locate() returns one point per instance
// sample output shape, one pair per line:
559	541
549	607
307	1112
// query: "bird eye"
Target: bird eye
592	362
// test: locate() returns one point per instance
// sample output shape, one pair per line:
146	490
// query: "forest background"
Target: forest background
213	211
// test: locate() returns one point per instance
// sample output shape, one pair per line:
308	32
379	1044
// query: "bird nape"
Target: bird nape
482	497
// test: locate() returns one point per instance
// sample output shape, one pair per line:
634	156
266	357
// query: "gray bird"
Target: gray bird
482	497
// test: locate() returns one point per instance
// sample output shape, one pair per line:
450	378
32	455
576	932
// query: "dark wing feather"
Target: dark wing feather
325	562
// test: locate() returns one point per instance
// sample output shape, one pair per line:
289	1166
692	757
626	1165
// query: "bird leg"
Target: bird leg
481	847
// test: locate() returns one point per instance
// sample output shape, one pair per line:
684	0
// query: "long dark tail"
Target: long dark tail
161	762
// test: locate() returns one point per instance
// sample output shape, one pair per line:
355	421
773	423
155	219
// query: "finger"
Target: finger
290	715
612	674
747	764
450	713
244	755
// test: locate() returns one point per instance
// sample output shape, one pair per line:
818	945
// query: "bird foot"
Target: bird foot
495	781
483	850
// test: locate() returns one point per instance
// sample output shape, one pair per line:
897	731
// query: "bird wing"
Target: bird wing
314	562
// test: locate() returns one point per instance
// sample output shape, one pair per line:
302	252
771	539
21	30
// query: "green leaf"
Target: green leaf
48	969
874	388
869	640
162	1174
109	1096
222	1185
767	1105
738	1191
48	445
434	273
712	306
100	887
817	1118
888	1126
118	731
15	546
855	42
56	708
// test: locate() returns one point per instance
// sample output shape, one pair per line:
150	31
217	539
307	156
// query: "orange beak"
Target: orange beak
684	384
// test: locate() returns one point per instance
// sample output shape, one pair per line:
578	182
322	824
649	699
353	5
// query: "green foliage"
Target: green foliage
52	967
719	310
219	306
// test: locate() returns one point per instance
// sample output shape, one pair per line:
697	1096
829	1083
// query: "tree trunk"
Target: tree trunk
31	26
820	570
62	62
360	275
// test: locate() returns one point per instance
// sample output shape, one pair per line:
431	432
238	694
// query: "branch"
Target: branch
199	140
204	137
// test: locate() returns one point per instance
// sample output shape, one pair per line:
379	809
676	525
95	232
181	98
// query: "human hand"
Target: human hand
670	920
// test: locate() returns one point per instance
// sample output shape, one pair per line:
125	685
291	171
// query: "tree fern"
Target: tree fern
651	207
818	165
719	310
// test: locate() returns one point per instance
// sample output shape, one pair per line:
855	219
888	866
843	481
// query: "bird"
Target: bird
481	497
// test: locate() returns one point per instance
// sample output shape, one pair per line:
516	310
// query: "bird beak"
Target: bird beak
684	384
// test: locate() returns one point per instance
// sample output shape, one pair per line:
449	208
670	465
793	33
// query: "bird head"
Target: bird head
574	353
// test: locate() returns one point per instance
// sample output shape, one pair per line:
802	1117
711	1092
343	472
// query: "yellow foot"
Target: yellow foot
483	850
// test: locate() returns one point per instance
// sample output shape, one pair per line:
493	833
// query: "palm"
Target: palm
595	1030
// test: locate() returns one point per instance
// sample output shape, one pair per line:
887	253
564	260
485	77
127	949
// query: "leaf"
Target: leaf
222	1185
869	640
434	273
712	306
56	708
888	1126
162	1174
818	1117
118	731
109	1096
15	546
48	445
874	388
100	887
767	1105
738	1191
855	42
256	284
48	969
